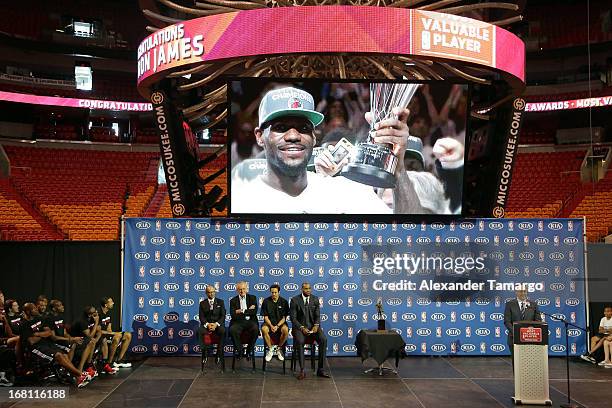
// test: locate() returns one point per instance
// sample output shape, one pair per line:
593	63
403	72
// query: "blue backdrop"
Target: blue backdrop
169	262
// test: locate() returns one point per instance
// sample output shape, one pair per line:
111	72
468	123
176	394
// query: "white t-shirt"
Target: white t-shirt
322	195
606	324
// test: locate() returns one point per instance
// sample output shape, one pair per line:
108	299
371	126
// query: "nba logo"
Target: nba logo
335	315
423	347
173	271
158	225
394	226
261	301
364	317
321	302
557	301
232	271
365	225
276	256
262	240
170	333
497	331
468	301
571	256
217	286
556	240
203	240
350	240
187	256
511	256
483	316
306	256
350	271
573	347
140	333
526	240
350	332
262	271
277	226
336	256
570	226
453	316
350	301
247	256
466	240
171	302
453	347
483	347
438	240
202	271
143	240
510	225
541	256
185	348
408	331
291	241
452	225
572	286
409	240
247	226
217	226
188	225
291	271
423	316
141	302
526	271
496	240
336	226
155	348
497	301
468	331
156	287
438	331
156	317
306	226
364	286
186	317
558	332
141	271
335	348
379	240
186	287
540	225
394	317
321	241
157	256
481	225
335	286
573	317
423	226
173	240
217	256
409	301
438	304
364	256
321	271
232	241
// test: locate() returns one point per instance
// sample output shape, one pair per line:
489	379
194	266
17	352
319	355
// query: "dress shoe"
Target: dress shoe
322	373
301	375
217	360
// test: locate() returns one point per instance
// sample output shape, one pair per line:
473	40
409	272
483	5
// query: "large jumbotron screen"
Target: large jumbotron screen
317	147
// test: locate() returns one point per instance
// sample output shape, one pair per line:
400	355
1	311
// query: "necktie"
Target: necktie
306	302
522	310
307	317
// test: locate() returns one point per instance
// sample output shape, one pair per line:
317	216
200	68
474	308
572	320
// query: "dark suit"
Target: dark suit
512	314
216	314
307	317
240	322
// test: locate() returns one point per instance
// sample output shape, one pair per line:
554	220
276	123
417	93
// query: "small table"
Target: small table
380	345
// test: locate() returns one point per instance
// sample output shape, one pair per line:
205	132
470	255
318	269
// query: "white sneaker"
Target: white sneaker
279	354
608	365
269	354
602	363
588	358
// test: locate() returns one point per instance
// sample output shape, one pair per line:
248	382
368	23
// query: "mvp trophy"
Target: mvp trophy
372	163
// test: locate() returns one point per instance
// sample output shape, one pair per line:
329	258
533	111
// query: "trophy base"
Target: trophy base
370	175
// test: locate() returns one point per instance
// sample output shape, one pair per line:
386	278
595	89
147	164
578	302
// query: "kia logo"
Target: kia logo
452	240
541	241
453	332
481	240
261	256
482	331
379	255
394	301
570	241
571	271
541	271
379	226
350	286
351	226
559	316
423	301
572	302
468	348
364	271
141	287
217	240
364	302
336	241
409	317
452	302
171	317
260	287
142	256
410	348
185	333
496	225
155	333
172	256
557	348
350	256
186	302
526	256
496	316
394	240
497	347
423	332
364	241
173	225
543	302
187	271
232	226
573	332
466	225
335	332
199	287
247	241
277	271
262	226
525	225
202	256
497	256
202	225
423	240
158	240
321	226
232	256
217	271
139	349
171	348
513	271
171	287
437	225
143	225
292	226
557	287
324	317
468	316
306	271
277	241
349	317
349	348
290	287
141	318
156	302
482	301
320	287
555	226
156	271
230	287
438	348
409	226
292	256
320	256
306	241
335	302
438	317
511	240
187	241
556	256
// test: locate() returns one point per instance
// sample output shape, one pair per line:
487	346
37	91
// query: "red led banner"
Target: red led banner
330	29
569	104
75	102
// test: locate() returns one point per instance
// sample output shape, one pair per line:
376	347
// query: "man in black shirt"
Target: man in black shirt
275	310
7	354
89	327
41	304
114	338
212	318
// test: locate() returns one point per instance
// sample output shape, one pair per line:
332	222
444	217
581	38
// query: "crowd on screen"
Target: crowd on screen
36	342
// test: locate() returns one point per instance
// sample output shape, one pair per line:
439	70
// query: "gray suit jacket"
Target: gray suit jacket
512	314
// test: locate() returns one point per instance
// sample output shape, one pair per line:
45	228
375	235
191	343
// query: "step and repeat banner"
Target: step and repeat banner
442	286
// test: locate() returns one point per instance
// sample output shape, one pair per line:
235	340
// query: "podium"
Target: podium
531	363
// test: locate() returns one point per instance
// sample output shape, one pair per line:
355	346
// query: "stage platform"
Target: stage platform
423	382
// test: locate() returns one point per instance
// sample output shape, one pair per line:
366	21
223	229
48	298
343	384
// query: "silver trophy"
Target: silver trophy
372	163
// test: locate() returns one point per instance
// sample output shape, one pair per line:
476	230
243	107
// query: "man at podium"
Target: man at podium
519	309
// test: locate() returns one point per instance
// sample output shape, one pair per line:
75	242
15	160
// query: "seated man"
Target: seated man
7	354
41	303
243	309
212	319
306	321
275	310
37	338
114	338
55	322
88	326
604	333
